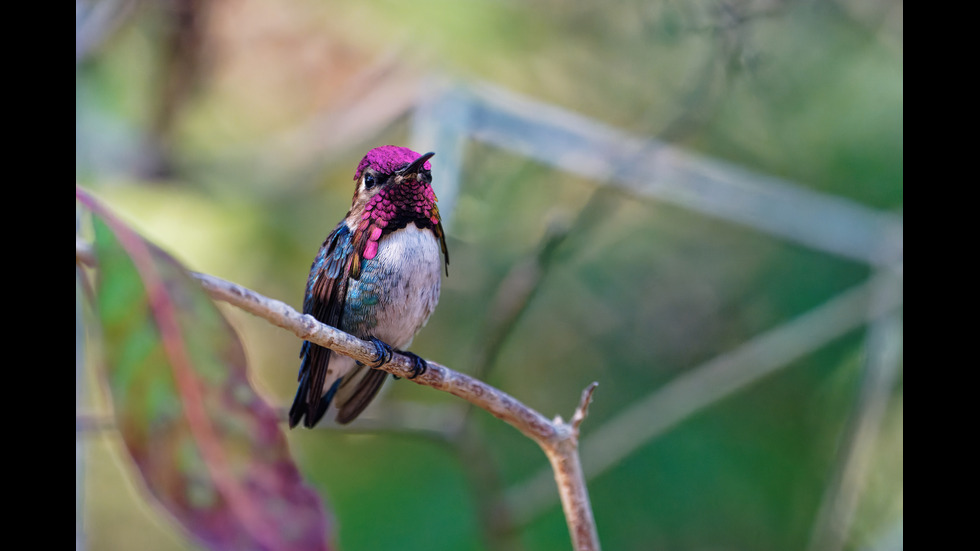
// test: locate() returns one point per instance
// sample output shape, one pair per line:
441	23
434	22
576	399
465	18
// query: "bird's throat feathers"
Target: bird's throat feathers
391	208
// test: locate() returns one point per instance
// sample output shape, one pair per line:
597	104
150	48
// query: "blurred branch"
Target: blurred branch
180	70
435	422
92	422
892	538
882	21
728	15
511	299
558	439
702	98
514	293
487	487
704	385
95	21
656	170
525	277
881	371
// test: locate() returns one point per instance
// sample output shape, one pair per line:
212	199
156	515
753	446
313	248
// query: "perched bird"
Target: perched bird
376	276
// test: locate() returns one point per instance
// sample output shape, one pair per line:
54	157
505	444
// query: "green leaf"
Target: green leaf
208	447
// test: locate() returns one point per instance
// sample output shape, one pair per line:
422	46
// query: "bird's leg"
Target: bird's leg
383	352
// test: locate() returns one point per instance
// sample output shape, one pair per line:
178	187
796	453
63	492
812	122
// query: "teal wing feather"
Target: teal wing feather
326	292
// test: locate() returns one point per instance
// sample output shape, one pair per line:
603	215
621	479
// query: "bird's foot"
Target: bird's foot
383	352
419	366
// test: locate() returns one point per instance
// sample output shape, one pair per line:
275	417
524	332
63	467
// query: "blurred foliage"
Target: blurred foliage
224	472
255	169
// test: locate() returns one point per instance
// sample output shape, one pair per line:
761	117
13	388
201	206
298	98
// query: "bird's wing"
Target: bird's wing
441	236
326	292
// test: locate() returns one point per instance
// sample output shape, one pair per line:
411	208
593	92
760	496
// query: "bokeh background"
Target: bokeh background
696	204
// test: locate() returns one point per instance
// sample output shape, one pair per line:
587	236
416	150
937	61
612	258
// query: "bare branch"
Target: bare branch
881	370
500	404
583	406
558	440
656	170
564	460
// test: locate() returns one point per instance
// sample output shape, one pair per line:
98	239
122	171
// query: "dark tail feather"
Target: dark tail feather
367	388
298	409
301	406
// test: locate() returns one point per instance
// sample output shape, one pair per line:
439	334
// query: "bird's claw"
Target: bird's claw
383	352
419	366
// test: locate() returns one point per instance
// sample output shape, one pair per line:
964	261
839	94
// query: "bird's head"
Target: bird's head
394	187
390	166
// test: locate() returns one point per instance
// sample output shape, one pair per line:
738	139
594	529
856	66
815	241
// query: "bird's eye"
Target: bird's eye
369	181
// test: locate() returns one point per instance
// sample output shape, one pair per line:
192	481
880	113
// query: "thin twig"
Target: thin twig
583	406
881	370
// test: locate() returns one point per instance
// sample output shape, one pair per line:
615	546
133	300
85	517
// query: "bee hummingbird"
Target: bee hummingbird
377	277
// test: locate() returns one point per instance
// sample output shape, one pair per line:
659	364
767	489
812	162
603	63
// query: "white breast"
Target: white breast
410	260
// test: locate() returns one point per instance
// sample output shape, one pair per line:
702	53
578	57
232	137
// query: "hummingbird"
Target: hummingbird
376	276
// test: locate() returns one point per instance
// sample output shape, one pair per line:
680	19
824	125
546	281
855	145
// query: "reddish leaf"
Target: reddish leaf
207	445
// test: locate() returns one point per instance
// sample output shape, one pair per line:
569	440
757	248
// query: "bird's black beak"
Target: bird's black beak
415	166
